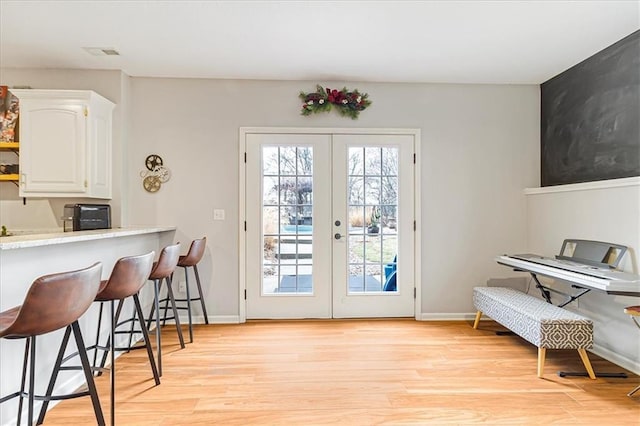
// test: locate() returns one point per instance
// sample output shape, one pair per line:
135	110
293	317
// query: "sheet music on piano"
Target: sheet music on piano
588	274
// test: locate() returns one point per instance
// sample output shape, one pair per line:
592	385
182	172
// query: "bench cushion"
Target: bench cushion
541	323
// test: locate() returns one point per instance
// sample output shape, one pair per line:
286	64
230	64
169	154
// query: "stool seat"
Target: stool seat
166	263
128	276
195	253
8	317
53	302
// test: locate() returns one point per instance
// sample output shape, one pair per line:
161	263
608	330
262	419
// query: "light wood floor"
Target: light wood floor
357	372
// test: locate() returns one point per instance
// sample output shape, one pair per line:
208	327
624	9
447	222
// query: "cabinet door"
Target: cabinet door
52	148
99	150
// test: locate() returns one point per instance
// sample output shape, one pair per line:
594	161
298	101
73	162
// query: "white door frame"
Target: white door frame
242	236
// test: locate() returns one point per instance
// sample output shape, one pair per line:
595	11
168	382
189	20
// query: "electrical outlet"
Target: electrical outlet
182	286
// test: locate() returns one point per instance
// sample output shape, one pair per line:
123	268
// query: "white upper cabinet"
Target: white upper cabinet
65	143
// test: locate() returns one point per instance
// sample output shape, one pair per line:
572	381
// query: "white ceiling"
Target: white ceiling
382	41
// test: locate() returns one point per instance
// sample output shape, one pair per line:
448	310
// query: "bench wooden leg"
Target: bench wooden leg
477	321
542	353
586	362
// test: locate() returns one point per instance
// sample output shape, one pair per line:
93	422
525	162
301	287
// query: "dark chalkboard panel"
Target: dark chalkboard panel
590	118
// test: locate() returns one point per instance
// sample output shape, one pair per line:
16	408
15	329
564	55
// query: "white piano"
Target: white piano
587	265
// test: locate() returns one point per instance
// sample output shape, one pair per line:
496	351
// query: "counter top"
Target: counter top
36	240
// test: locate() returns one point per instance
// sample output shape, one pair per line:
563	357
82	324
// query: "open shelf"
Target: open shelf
9	145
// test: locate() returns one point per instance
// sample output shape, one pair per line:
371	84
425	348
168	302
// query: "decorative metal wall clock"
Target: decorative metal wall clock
156	173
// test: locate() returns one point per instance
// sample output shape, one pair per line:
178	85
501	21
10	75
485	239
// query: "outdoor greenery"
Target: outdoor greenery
375	252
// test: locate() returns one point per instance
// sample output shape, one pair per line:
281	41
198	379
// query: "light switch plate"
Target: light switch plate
218	214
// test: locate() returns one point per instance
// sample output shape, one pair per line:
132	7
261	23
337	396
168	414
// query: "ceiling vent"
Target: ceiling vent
102	51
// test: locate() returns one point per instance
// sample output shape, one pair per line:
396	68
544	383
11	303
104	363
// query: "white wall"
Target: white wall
604	214
480	149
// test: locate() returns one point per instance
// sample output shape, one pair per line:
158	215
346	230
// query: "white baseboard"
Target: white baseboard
617	359
222	319
213	319
447	317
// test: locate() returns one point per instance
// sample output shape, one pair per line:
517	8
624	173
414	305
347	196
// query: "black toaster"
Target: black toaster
84	217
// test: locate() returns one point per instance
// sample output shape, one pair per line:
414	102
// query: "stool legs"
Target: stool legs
24	378
95	351
137	316
186	279
175	310
32	343
155	315
54	374
189	299
29	353
156	305
200	296
112	370
145	334
88	374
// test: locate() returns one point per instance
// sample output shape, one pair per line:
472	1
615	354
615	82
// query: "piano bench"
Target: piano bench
545	325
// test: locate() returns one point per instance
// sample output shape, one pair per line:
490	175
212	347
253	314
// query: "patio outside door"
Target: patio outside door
330	228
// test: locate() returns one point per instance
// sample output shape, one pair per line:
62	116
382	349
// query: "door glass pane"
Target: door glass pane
356	161
287	159
372	190
287	220
305	161
270	167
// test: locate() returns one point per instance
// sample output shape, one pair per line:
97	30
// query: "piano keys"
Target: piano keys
605	279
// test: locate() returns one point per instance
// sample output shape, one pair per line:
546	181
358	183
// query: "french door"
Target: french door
329	225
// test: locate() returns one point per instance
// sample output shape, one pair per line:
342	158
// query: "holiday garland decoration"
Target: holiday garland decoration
348	103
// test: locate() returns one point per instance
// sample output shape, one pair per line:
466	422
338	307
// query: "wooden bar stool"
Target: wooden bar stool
634	313
162	270
190	260
53	302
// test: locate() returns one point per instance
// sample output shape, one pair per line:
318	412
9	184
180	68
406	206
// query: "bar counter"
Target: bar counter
35	240
23	258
